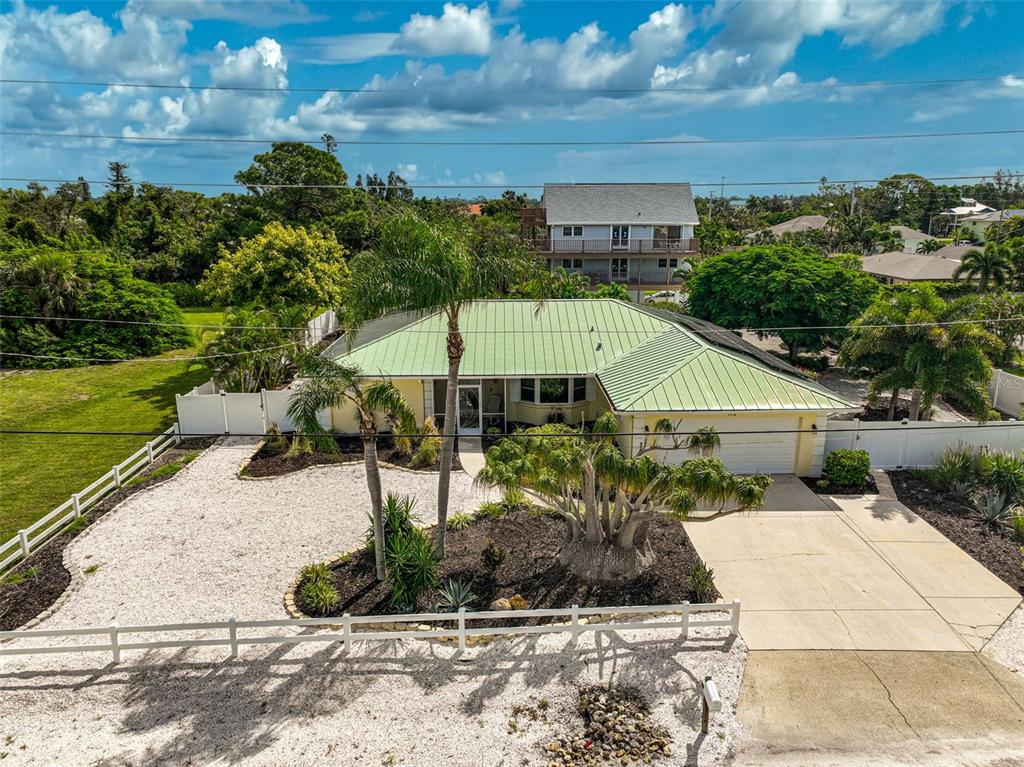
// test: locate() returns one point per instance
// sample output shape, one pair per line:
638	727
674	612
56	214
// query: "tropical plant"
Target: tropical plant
412	564
427	446
848	468
915	340
317	595
425	267
704	442
702	582
616	290
328	384
459	521
490	510
992	510
455	594
608	499
545	285
398	519
1005	473
491	557
990	266
929	246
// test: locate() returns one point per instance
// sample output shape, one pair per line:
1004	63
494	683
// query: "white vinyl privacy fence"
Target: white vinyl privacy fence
29	539
234	633
1007	393
918	444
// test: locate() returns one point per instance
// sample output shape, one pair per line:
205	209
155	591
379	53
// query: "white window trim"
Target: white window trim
536	391
574	231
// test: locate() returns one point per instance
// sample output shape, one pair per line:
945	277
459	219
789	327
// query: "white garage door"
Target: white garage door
772	451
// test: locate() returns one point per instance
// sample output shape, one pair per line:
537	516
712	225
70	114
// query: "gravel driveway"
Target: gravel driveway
206	545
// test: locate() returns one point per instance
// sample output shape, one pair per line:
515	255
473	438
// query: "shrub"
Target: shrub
398	520
315	572
490	509
1017	523
957	464
1005	473
318	597
458	521
412	565
848	468
492	556
455	594
184	294
702	582
428	447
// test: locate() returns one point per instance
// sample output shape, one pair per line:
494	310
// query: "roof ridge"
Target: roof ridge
671	371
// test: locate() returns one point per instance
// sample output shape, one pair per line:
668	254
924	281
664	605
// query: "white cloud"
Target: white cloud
458	30
364	17
507	6
257	13
348	49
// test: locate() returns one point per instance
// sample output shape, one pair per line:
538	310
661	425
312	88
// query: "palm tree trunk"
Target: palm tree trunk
455	347
376	501
891	415
915	403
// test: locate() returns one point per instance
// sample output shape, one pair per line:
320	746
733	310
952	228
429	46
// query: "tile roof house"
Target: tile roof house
634	234
575	359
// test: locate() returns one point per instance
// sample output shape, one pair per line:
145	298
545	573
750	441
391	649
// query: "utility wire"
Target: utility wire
414	185
512	143
446	87
517	434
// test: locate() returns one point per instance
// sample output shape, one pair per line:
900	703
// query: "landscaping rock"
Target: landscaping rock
500	604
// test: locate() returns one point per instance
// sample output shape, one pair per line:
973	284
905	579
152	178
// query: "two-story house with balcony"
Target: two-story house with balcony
635	234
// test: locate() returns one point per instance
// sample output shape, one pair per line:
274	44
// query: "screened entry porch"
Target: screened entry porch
481	404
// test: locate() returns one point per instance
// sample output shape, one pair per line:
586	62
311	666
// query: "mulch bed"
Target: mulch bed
273	460
998	552
531	539
869	488
20	603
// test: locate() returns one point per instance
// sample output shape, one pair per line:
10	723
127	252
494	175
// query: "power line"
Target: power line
414	185
512	143
487	88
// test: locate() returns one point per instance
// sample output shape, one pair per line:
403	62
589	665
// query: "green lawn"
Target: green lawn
40	472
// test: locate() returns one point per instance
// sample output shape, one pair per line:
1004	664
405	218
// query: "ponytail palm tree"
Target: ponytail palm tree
425	267
989	266
328	384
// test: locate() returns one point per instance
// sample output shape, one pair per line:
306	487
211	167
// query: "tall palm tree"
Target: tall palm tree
991	265
420	266
909	340
328	384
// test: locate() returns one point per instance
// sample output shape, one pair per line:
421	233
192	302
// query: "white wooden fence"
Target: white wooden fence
352	628
918	444
1007	393
27	540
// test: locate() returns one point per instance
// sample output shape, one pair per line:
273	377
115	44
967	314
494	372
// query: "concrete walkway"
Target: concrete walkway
471	454
868	575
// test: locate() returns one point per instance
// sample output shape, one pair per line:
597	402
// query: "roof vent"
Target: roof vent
598	347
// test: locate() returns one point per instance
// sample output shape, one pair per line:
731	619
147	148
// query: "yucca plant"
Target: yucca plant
454	594
1005	473
992	510
397	513
702	582
412	564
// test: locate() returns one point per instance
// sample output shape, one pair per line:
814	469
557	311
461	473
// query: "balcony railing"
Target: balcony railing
614	247
653	277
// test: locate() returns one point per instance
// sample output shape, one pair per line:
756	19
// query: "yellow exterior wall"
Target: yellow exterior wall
343	419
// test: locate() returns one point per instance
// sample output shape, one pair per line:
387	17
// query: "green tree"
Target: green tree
281	265
913	339
607	499
547	285
327	384
989	266
297	183
929	246
424	267
780	286
616	290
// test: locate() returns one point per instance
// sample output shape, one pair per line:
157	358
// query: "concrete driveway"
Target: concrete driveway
856	573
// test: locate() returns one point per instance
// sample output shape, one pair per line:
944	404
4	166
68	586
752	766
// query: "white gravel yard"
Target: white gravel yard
206	545
1007	644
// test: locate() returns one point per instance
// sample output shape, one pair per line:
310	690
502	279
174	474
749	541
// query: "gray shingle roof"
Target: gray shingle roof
619	204
913	266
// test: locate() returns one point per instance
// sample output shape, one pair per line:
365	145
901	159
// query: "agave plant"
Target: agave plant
454	594
702	582
992	510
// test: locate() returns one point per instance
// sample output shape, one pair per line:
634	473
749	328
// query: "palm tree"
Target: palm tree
991	265
328	384
421	266
928	246
704	442
913	339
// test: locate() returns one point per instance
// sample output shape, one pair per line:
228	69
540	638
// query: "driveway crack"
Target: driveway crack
888	694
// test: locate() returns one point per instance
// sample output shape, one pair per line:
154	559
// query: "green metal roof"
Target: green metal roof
644	361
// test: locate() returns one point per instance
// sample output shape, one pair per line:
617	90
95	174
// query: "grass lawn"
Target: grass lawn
39	472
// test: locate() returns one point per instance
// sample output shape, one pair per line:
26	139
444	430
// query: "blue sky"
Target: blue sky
521	71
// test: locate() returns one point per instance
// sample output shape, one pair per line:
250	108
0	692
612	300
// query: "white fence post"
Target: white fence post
176	432
117	476
224	408
149	451
76	504
903	443
462	629
233	635
853	433
346	630
575	625
734	629
686	620
23	539
115	644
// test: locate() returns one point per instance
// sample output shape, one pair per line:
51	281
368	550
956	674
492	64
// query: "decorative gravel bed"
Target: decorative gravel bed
999	552
273	459
35	583
822	486
531	540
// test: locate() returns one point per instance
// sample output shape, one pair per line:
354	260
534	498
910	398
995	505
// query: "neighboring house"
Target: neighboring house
899	266
794	225
636	234
979	223
954	216
572	360
910	238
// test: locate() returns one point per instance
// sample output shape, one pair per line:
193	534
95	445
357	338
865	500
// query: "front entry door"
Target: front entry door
620	236
469	409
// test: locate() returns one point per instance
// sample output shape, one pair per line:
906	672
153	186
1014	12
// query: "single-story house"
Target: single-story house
798	224
572	360
979	223
898	266
910	237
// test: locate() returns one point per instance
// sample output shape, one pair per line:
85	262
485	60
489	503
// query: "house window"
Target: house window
527	389
554	391
673	262
662	263
572	231
567	263
620	266
577	263
579	389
